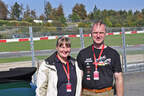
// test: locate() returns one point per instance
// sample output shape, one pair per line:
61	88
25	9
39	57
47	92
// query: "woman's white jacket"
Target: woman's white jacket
47	79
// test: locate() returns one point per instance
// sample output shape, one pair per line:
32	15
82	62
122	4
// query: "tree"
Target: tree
3	10
41	17
48	10
33	14
129	18
74	17
108	22
57	15
60	11
27	13
96	14
83	13
104	13
60	14
138	18
130	13
78	13
95	9
16	11
54	14
142	11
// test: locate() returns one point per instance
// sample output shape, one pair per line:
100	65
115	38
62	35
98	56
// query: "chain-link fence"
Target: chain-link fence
38	42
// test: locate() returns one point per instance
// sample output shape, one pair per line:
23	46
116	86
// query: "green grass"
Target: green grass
135	39
7	60
132	52
115	40
111	40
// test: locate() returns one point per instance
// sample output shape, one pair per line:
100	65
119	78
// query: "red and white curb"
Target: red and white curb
55	37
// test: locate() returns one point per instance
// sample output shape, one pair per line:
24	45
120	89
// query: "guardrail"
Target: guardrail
55	37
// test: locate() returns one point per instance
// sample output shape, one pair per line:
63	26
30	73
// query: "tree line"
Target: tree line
113	18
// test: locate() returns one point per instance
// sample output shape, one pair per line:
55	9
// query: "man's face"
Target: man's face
98	33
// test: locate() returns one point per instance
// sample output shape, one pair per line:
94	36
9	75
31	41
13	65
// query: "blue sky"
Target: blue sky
38	5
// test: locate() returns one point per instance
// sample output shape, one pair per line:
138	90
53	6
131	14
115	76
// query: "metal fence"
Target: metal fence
39	42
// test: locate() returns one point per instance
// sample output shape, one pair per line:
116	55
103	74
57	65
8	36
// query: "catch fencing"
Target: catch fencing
36	43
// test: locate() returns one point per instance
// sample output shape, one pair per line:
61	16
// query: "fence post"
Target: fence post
32	52
124	49
81	37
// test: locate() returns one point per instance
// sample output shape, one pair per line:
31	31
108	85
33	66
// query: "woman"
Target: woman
59	74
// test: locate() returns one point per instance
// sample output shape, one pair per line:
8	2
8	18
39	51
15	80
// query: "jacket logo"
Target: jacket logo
88	60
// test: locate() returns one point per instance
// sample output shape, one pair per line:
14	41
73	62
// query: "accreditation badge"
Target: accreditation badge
96	75
68	87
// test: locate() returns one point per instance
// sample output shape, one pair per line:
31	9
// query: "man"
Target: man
100	64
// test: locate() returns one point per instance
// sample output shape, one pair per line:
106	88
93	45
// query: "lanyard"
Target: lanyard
95	62
66	71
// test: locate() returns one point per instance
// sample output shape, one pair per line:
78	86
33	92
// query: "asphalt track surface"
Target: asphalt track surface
134	84
47	52
133	81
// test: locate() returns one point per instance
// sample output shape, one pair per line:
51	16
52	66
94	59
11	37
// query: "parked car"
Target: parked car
17	82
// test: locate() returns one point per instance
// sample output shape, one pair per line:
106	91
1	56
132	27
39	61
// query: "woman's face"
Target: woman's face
63	50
